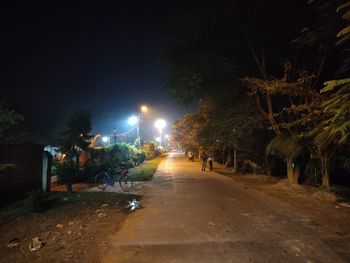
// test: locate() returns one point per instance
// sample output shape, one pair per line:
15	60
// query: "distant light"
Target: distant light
133	120
157	139
160	124
144	108
166	136
105	139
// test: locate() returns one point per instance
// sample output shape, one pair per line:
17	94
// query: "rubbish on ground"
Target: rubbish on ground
105	205
36	244
211	223
12	243
59	226
134	204
100	215
70	223
69	232
341	233
344	205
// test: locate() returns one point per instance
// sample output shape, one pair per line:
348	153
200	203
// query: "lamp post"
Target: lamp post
115	136
143	109
160	124
132	121
137	120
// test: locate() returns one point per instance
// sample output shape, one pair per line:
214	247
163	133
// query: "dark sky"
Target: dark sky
58	58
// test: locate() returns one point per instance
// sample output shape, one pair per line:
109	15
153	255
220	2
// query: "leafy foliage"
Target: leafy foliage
149	151
215	48
10	120
77	132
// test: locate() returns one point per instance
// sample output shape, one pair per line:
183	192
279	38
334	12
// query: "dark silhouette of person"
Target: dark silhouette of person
210	162
204	158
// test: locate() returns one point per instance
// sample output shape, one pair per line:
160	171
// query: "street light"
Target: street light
105	139
144	109
160	125
136	120
133	120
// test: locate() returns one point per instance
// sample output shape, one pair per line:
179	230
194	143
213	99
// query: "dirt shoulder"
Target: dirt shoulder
74	228
328	211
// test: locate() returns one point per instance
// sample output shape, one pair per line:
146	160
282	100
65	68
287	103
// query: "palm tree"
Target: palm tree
74	139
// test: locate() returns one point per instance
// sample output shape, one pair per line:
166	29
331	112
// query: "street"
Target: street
194	216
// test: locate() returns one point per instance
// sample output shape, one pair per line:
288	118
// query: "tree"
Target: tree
319	36
74	139
331	134
185	131
290	115
9	122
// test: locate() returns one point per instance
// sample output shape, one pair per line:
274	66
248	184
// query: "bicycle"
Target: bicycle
112	176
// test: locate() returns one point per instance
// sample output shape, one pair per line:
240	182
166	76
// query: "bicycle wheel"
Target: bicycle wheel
126	183
102	180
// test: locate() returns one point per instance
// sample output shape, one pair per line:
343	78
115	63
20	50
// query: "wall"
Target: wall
27	174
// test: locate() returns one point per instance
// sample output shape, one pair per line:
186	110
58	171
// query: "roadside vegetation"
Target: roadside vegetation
273	91
82	161
145	171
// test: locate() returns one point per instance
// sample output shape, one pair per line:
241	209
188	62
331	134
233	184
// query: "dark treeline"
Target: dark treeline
271	80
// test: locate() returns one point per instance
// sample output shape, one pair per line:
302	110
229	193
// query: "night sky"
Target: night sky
58	58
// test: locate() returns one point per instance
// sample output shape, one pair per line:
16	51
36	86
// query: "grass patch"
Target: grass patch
145	171
222	169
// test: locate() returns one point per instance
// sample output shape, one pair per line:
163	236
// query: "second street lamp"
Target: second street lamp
132	121
160	125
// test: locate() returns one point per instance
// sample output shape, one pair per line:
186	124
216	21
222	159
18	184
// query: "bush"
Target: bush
88	172
101	159
37	200
150	150
65	173
141	157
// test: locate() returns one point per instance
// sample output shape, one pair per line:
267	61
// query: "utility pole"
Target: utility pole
115	136
139	120
235	157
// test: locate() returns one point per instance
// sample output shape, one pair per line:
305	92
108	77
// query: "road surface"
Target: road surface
194	216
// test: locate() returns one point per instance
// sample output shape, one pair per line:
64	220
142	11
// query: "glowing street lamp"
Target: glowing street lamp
136	120
105	139
160	125
133	120
144	109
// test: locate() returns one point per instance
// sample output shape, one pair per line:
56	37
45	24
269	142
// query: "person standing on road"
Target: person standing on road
189	155
210	161
204	158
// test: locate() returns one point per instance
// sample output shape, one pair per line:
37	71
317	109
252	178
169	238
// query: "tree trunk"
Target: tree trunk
235	159
229	158
325	172
268	165
69	187
293	172
223	155
77	165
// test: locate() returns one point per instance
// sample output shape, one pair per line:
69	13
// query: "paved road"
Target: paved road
194	216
